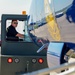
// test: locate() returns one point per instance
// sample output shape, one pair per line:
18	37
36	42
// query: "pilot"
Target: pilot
12	34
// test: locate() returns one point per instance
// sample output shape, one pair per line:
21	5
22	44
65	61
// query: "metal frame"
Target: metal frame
57	68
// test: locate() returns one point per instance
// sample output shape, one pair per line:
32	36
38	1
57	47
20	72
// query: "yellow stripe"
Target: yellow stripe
51	23
53	28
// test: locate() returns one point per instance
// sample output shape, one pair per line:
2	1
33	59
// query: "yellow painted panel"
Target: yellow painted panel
51	22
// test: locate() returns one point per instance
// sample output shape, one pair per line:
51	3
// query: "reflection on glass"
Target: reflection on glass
50	21
26	37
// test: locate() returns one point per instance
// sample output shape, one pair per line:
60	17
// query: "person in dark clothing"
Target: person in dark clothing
12	34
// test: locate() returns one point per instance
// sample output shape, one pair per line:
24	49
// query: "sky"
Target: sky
14	6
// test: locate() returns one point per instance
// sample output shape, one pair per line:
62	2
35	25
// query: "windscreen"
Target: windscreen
52	20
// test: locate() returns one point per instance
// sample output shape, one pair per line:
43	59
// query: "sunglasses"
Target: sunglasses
15	22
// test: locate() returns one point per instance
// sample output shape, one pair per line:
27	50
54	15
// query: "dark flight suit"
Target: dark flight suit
11	34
